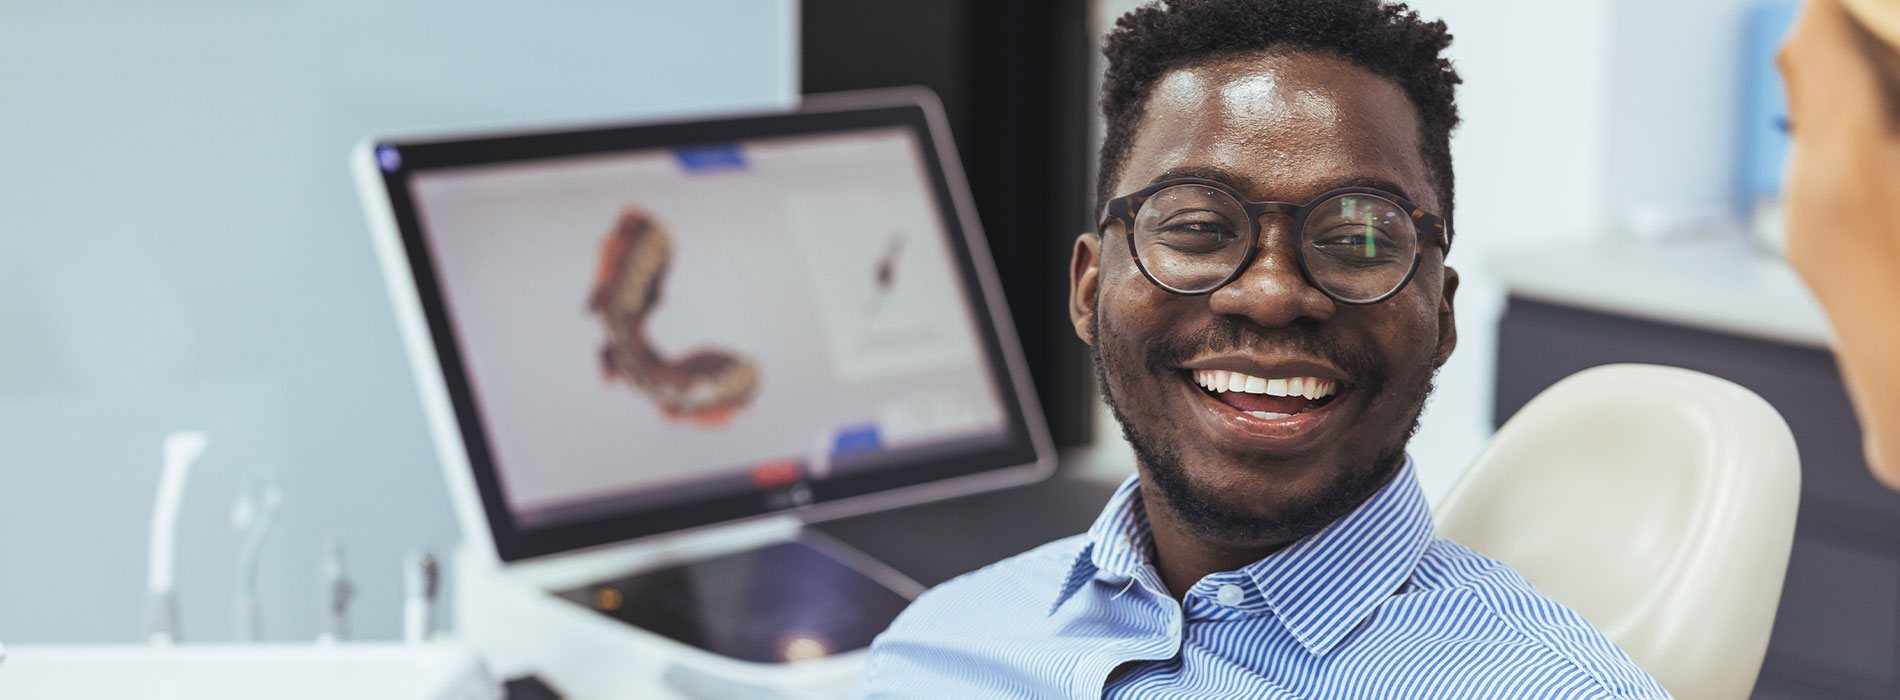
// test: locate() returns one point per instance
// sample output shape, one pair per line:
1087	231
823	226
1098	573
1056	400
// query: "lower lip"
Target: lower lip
1278	434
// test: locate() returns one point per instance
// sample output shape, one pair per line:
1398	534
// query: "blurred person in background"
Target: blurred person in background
1842	67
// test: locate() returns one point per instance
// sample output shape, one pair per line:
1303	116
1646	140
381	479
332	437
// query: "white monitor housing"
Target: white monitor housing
849	215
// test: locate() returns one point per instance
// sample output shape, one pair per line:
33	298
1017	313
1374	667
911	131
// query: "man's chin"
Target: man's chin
1282	502
1258	514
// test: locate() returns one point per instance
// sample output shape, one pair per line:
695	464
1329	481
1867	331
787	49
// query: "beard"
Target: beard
1200	508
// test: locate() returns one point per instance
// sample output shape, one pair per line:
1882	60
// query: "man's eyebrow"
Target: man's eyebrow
1377	183
1204	172
1243	183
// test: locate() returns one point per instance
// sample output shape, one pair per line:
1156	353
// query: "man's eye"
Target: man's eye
1198	235
1357	243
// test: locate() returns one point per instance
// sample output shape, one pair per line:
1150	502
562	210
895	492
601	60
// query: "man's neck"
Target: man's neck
1183	557
1183	554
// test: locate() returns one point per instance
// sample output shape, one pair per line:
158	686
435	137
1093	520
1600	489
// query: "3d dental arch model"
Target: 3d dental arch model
707	387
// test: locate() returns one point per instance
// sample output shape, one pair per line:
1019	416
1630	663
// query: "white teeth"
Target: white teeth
1269	415
1312	388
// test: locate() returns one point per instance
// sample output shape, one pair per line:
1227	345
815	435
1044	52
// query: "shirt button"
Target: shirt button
1230	595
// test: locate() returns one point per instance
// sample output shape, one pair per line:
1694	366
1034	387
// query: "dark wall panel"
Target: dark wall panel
1014	79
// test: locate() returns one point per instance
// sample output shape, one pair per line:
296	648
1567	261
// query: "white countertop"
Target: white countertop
353	671
1718	285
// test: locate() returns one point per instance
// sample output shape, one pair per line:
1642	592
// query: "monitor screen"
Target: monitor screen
650	328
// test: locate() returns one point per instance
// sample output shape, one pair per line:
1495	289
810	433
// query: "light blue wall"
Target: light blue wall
180	246
1674	115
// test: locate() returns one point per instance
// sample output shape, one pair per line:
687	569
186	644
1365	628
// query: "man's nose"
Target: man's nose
1272	291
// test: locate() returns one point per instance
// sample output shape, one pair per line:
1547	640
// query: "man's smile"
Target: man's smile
1279	407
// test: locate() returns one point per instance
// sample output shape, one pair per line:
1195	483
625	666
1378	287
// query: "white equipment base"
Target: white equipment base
349	671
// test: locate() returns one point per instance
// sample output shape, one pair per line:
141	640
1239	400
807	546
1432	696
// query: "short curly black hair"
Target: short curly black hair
1386	39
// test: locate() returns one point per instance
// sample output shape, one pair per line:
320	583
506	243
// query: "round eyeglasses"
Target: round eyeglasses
1358	245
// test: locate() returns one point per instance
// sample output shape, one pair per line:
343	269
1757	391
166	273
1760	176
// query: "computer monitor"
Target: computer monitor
629	330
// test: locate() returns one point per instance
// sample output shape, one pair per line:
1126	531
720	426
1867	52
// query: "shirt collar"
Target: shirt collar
1320	587
1323	586
1117	545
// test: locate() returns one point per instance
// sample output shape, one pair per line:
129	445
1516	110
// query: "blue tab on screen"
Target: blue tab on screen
855	438
714	158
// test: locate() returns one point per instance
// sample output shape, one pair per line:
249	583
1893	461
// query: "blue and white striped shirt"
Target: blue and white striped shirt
1371	607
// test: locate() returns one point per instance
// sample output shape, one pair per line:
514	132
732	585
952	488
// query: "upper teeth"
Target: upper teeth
1223	380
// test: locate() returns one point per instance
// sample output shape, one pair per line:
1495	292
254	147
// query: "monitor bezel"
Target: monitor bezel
435	349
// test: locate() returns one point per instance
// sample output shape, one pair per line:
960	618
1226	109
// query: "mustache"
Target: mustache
1164	353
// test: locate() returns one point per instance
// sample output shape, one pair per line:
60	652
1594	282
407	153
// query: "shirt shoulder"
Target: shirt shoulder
974	631
1463	577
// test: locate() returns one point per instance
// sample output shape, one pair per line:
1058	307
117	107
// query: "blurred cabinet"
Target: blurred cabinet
1837	632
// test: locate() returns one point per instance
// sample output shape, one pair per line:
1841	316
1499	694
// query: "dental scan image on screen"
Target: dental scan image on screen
656	326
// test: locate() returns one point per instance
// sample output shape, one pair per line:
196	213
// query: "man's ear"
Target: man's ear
1084	273
1447	318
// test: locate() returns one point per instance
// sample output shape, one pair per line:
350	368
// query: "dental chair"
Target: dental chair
1657	502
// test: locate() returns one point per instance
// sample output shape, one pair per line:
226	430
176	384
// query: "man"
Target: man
1267	303
1842	66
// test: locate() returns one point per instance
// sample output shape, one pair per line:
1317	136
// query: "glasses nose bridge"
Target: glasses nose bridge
1260	210
1260	213
1270	283
1273	251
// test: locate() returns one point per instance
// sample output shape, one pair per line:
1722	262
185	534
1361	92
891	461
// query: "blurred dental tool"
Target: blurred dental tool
422	578
181	450
253	514
337	592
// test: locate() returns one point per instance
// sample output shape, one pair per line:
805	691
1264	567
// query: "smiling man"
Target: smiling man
1267	301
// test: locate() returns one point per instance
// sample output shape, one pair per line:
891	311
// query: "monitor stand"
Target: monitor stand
795	600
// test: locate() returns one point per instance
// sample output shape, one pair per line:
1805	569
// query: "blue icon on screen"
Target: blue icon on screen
856	438
710	158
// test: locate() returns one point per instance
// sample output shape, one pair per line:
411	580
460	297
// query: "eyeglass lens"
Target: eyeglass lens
1356	247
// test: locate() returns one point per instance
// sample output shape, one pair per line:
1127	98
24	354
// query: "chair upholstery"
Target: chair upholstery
1657	502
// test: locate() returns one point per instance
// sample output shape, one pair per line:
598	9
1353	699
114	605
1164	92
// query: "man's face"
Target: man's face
1284	127
1842	167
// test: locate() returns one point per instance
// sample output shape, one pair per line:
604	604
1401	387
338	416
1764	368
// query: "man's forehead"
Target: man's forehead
1288	125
